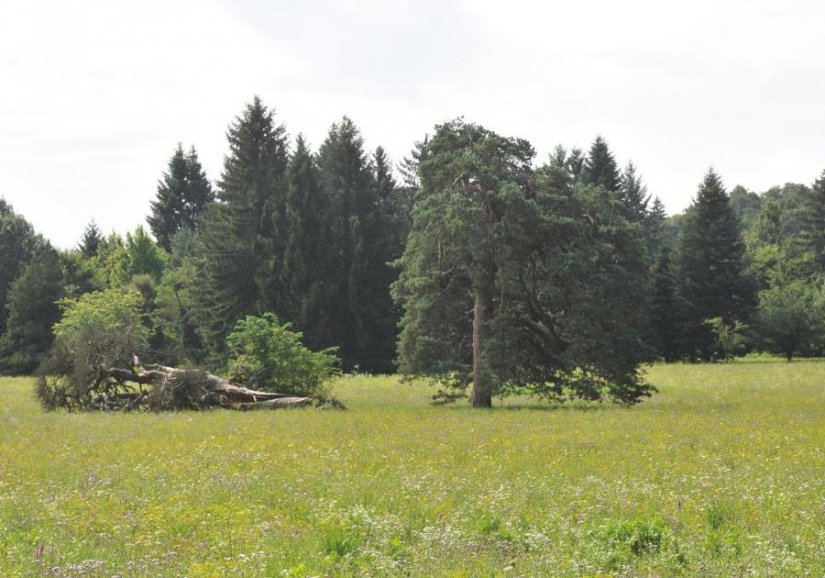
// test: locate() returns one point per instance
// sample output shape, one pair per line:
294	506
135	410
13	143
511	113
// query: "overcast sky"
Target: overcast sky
96	94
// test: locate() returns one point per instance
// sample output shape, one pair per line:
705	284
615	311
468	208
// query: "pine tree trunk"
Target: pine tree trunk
482	387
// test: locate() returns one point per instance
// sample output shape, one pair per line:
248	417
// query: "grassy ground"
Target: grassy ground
720	474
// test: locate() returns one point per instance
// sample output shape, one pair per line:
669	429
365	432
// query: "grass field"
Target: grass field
720	474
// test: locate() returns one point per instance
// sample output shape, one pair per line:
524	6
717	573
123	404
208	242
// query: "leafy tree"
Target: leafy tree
243	231
269	356
98	331
18	243
139	256
183	194
509	281
80	274
789	319
710	267
92	238
32	310
745	205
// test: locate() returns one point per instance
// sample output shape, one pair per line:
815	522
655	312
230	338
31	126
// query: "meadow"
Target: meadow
722	473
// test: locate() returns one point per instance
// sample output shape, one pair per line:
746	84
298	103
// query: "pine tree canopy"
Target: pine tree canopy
242	231
600	167
509	281
710	265
183	194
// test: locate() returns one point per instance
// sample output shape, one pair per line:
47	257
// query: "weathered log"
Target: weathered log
175	388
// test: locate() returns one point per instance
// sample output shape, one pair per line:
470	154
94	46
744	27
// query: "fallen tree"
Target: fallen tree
94	364
160	388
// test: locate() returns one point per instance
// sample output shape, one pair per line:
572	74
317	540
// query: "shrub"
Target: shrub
98	331
267	355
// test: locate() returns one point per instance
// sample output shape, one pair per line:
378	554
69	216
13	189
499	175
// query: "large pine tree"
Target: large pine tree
516	280
710	268
183	194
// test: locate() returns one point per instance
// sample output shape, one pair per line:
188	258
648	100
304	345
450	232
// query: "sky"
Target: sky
96	94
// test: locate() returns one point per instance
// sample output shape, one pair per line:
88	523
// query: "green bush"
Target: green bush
269	356
98	331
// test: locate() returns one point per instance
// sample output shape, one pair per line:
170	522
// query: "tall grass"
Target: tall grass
720	474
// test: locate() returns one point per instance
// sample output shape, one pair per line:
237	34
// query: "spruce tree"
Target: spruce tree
710	267
306	251
655	224
812	224
183	194
356	272
242	232
600	167
634	194
665	310
91	240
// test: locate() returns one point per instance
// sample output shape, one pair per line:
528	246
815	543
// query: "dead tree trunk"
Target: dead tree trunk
161	387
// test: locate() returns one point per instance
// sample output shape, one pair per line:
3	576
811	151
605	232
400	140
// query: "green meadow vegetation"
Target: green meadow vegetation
720	474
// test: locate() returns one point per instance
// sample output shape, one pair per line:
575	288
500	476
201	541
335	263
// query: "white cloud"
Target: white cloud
96	94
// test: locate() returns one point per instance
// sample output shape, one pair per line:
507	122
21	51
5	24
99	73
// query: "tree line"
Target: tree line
481	268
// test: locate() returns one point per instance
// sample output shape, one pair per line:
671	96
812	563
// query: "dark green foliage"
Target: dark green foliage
361	320
306	254
497	262
634	194
91	240
268	356
812	224
18	244
656	229
32	310
710	268
790	319
175	315
183	194
242	231
80	274
666	309
600	167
